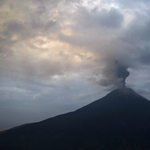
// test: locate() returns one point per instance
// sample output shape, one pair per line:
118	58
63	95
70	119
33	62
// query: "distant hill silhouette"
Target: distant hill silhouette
118	121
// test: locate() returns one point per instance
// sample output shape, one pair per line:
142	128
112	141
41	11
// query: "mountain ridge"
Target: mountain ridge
117	121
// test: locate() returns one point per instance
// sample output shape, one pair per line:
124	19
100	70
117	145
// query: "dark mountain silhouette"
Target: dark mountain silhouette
118	121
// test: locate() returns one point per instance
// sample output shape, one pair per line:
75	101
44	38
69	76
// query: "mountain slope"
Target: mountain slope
120	121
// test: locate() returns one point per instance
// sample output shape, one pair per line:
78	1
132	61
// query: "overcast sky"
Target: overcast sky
59	55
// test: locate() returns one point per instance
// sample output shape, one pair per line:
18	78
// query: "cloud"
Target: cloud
51	41
136	41
112	18
52	53
13	28
131	4
2	2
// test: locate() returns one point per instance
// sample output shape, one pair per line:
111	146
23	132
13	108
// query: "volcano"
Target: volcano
118	121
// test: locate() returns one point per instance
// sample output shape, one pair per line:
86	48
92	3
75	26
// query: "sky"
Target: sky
59	55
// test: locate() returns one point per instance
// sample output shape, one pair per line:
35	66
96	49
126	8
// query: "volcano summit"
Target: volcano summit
118	121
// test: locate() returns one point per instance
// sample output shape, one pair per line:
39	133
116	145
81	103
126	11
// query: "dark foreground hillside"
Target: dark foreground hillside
119	121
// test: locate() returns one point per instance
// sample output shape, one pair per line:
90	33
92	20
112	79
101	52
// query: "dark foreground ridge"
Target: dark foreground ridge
119	121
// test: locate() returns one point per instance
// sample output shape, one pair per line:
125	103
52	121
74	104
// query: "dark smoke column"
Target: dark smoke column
121	72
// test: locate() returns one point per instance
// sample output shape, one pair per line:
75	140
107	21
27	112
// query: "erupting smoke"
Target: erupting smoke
114	74
121	72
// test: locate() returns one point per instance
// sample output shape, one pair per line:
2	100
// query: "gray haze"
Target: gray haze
58	55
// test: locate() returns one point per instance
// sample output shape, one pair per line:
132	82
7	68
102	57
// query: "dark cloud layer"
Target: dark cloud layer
110	19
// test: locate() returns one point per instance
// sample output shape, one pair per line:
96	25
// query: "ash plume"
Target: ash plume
121	72
114	74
